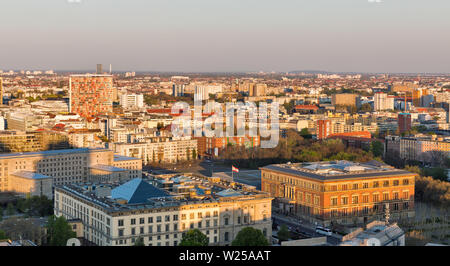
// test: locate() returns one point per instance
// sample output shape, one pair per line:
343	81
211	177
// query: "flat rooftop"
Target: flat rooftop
50	152
154	192
334	170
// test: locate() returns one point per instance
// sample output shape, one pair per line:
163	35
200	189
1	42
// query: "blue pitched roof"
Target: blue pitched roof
137	191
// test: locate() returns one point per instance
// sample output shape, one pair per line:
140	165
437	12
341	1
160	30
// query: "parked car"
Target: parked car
323	231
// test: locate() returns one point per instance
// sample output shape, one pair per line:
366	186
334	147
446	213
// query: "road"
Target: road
304	229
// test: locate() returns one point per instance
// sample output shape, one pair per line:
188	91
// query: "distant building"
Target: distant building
178	90
1	91
323	129
383	102
91	95
347	99
129	101
404	122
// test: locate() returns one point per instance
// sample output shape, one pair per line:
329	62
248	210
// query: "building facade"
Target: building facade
91	95
340	192
160	216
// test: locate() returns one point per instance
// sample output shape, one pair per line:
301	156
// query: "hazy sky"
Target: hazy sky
226	35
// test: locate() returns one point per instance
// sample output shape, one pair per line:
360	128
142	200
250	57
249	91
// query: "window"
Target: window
175	217
150	220
365	198
334	201
395	207
355	186
345	187
199	224
158	228
376	184
133	221
354	199
239	219
395	183
191	216
120	222
406	195
175	227
385	183
344	200
386	196
120	232
376	197
226	221
167	228
333	188
150	229
158	219
167	218
216	213
226	236
405	205
366	185
183	217
141	221
141	230
208	214
405	182
395	195
133	231
199	215
365	210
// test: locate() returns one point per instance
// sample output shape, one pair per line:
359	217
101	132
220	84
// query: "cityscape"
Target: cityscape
220	156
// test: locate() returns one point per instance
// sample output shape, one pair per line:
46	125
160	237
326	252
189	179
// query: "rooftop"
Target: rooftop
50	152
336	170
171	190
30	175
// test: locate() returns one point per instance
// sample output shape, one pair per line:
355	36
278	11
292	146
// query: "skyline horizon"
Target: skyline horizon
354	36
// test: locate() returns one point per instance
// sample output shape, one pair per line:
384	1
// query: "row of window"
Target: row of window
168	218
355	199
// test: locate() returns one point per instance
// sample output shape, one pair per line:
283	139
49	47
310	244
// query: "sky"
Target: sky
391	36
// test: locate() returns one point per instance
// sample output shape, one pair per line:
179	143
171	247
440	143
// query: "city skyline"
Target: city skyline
203	36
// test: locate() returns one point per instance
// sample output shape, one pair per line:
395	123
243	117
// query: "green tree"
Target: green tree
188	154
250	236
283	233
3	235
139	242
194	237
1	214
377	148
10	210
194	154
59	231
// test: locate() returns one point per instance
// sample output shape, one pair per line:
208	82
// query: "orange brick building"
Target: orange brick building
91	95
339	192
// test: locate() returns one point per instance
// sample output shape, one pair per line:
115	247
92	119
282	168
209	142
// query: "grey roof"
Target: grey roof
50	152
30	175
137	191
108	168
301	171
118	158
